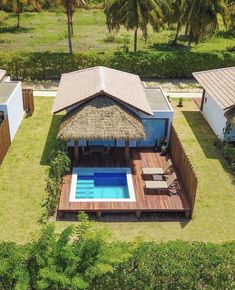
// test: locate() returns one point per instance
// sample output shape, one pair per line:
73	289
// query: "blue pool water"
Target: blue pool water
101	185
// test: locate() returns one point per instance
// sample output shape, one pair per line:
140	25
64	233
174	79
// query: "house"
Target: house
218	101
11	103
111	124
111	108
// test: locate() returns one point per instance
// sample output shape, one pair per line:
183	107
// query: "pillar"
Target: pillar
76	151
127	152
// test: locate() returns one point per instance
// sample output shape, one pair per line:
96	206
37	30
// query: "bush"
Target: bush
81	258
3	16
59	165
48	65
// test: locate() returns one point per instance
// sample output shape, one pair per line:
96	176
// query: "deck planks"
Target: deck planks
160	202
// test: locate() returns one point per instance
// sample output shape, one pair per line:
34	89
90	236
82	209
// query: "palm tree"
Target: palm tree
17	7
179	8
202	17
136	14
70	6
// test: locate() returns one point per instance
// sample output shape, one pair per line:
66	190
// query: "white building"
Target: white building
11	102
218	101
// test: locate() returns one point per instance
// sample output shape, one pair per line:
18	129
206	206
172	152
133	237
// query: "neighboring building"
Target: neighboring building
80	92
218	101
11	103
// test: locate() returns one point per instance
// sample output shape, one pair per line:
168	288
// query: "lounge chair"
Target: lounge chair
157	170
161	184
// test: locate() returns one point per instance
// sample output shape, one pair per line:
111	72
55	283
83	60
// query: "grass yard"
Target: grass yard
47	31
23	172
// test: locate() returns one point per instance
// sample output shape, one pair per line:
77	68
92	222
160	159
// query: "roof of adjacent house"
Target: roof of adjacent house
6	89
79	86
2	74
220	84
101	118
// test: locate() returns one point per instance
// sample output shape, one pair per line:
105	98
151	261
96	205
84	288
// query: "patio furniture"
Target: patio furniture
157	170
86	151
97	149
161	184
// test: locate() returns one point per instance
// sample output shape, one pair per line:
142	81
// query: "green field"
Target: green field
47	31
23	172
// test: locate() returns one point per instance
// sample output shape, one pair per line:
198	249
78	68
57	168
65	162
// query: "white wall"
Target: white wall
215	117
15	111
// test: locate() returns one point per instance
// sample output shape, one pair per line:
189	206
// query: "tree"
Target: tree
70	6
202	18
179	8
136	14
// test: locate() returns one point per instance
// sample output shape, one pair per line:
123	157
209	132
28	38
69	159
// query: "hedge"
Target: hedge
49	65
81	258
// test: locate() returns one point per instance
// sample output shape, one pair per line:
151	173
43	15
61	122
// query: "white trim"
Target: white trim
127	170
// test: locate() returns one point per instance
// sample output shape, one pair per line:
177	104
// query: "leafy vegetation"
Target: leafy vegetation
59	166
81	258
134	15
44	66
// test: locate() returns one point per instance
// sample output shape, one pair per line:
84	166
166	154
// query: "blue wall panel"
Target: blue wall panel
155	129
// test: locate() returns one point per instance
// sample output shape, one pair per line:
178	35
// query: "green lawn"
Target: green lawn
23	172
47	31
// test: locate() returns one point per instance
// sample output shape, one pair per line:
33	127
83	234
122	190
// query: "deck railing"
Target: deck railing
28	101
5	139
184	167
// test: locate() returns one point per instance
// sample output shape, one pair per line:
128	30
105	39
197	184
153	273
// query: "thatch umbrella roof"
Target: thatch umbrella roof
230	115
101	119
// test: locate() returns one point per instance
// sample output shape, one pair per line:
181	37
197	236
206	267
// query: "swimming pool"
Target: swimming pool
101	184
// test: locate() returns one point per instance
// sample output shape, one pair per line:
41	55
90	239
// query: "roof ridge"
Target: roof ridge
102	79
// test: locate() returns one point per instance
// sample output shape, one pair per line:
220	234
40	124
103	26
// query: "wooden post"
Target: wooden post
76	151
127	152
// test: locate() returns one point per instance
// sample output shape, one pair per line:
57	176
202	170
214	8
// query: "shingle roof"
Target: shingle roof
220	84
78	86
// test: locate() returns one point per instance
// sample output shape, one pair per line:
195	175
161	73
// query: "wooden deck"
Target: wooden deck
160	201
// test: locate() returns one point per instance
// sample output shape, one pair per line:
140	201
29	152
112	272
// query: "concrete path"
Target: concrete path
189	95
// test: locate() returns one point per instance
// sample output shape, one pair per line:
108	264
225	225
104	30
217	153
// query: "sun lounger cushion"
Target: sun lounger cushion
155	184
157	170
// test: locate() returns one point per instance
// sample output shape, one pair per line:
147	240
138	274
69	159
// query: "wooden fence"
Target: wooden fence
5	139
184	167
28	101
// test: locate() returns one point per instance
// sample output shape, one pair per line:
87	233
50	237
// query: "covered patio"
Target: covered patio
100	119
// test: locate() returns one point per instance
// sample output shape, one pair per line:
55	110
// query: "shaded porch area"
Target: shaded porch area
160	201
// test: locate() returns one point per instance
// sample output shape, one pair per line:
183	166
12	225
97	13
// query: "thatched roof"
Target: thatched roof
230	115
101	118
79	86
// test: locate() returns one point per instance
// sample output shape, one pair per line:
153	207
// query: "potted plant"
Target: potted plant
180	102
164	145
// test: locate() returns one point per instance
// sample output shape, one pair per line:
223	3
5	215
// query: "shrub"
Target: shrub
59	165
48	65
81	258
3	16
